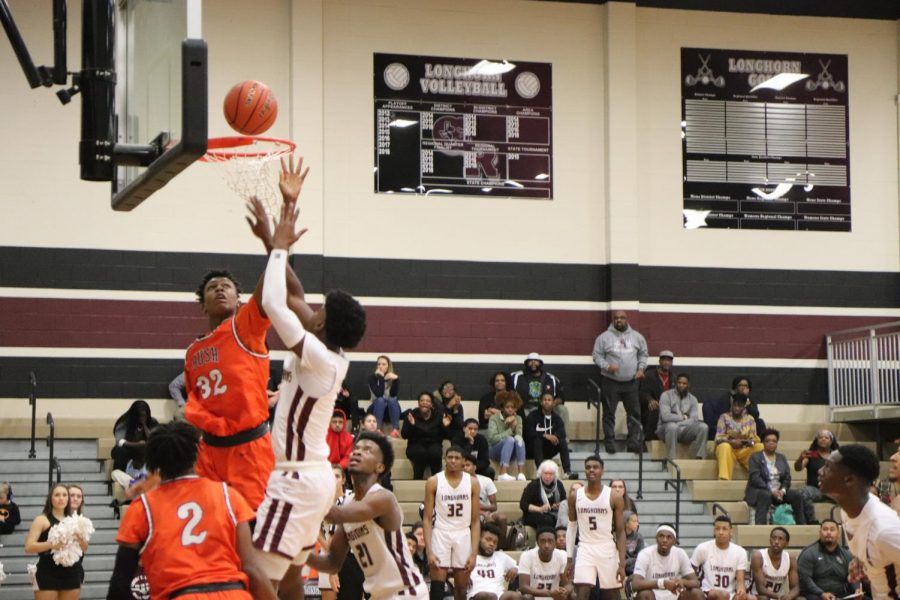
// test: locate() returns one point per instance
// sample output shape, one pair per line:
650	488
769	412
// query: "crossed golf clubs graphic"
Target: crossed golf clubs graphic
704	75
825	80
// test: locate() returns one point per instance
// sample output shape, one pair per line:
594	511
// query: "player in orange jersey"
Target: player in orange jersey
226	372
191	534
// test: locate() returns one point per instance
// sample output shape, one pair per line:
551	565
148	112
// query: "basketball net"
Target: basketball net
251	166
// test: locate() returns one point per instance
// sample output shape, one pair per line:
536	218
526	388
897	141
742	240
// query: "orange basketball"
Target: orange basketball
250	107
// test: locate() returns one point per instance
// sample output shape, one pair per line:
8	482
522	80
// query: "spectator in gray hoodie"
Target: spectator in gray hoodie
621	354
679	420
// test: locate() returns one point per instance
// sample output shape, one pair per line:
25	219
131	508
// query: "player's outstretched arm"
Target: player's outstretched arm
260	586
331	561
373	506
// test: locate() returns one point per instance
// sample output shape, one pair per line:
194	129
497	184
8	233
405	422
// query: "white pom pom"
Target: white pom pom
3	575
65	534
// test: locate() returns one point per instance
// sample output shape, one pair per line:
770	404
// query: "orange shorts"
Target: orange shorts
246	467
222	595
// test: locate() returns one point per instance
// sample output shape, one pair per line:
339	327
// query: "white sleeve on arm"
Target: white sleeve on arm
571	533
274	301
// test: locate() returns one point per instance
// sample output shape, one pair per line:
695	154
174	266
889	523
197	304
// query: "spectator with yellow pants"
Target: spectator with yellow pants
736	438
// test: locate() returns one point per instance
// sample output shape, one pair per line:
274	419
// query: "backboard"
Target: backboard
161	95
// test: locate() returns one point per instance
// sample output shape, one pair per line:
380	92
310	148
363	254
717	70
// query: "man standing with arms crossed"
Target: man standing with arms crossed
451	542
621	354
596	518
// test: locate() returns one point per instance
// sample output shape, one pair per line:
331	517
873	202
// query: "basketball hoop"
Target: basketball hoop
250	165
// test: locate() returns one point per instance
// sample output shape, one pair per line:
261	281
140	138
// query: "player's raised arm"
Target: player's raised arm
373	506
617	503
331	561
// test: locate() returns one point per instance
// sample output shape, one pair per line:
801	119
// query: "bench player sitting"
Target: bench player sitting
494	569
542	570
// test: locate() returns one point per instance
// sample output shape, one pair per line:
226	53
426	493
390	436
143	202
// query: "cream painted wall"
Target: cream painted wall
873	58
361	223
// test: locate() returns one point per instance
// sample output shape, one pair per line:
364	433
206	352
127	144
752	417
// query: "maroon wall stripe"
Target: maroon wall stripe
173	325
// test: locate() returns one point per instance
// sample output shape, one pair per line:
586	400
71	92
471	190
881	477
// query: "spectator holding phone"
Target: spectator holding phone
736	438
812	460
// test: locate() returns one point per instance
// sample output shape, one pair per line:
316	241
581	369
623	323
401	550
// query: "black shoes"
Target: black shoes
610	447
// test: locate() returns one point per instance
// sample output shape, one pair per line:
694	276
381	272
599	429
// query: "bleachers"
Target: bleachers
701	492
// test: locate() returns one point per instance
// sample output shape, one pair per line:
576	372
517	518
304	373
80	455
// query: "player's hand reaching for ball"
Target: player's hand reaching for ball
291	180
286	229
259	223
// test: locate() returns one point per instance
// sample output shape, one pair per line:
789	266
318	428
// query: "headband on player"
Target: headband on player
666	529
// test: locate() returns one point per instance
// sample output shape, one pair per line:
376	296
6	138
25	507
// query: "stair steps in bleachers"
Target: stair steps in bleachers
79	464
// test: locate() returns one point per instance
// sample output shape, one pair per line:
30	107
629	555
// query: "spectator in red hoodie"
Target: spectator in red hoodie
340	442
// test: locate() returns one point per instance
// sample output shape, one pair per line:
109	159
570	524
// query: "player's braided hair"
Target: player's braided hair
213	274
387	450
172	448
345	319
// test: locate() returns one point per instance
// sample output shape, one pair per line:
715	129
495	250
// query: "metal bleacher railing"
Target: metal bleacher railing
864	366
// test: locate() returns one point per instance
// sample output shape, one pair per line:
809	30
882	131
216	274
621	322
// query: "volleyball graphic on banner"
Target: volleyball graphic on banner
396	76
528	85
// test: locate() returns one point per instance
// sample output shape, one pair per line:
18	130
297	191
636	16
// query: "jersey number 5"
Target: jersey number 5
592	521
217	388
193	512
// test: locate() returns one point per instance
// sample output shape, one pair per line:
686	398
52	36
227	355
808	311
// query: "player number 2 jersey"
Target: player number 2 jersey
595	518
453	505
383	557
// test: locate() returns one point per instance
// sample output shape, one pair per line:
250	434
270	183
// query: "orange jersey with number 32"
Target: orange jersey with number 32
185	532
226	372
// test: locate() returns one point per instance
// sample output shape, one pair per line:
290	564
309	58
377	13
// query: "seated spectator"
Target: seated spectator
561	536
383	389
713	409
824	566
487	498
542	570
178	394
505	436
679	420
545	435
371	425
736	437
420	560
9	510
634	541
656	381
619	488
542	497
487	406
493	569
774	570
135	472
347	403
450	403
812	460
664	572
131	431
425	430
339	440
474	444
723	565
770	481
533	382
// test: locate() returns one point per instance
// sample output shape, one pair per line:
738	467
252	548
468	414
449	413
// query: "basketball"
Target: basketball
250	107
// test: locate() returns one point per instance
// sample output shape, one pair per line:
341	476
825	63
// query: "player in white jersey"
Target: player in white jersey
451	540
542	570
873	528
595	515
370	524
774	571
664	571
289	518
487	499
493	571
894	476
722	565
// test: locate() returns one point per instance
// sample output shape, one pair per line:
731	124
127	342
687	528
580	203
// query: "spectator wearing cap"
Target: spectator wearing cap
533	382
621	354
656	381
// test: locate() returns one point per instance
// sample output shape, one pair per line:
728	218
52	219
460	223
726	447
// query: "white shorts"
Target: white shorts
451	549
290	517
324	580
593	563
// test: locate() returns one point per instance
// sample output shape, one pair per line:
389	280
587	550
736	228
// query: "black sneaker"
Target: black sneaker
571	476
610	447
